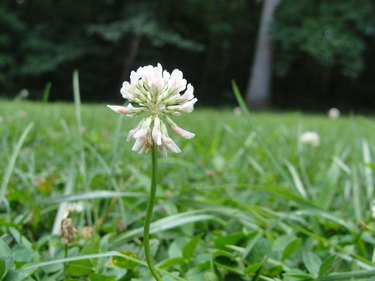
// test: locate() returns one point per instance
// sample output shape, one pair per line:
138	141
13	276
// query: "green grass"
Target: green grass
238	203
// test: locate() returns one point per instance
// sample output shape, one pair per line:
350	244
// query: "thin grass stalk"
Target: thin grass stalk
11	165
77	103
356	196
114	184
46	92
111	254
354	275
262	142
367	170
68	190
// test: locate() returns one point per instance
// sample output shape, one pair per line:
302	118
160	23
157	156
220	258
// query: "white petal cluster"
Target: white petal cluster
156	94
310	138
373	210
73	207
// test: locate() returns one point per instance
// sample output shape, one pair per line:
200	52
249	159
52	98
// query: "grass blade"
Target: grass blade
354	275
95	256
12	163
46	93
297	180
95	194
262	142
367	170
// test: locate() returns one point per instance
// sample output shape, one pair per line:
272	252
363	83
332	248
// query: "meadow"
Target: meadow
244	200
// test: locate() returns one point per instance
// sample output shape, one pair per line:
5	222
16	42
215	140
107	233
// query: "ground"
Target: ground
244	200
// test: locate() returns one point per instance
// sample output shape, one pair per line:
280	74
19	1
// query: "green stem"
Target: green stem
150	206
66	248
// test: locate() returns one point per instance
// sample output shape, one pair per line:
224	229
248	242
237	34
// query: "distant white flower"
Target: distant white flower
158	95
373	210
24	93
22	114
310	138
237	111
73	207
334	113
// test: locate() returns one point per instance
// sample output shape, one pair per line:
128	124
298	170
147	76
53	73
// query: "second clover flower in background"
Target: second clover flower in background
310	138
158	95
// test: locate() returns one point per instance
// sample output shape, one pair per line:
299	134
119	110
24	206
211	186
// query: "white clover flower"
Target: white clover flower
333	113
310	138
73	207
158	94
237	111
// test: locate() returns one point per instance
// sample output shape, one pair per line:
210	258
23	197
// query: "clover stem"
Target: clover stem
150	206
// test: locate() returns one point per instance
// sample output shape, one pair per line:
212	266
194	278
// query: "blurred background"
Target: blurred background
283	54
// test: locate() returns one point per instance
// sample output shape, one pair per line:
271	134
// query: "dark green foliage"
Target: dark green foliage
324	50
324	47
46	40
333	33
12	29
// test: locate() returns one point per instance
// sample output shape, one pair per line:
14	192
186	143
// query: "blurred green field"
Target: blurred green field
240	202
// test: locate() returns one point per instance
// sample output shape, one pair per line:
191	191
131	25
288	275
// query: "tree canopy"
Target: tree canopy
323	50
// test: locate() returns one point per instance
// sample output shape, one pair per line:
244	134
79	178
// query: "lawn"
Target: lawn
244	200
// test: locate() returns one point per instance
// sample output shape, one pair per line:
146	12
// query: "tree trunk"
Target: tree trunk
132	53
259	85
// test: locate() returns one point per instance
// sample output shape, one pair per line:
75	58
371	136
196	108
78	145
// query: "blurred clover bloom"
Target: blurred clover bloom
334	113
310	138
158	94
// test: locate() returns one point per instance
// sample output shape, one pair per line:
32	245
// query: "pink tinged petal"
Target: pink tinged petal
140	145
131	133
142	140
156	133
121	109
183	133
143	131
170	144
179	131
140	125
140	134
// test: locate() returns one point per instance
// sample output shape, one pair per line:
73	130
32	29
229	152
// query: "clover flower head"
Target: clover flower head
157	94
310	138
334	113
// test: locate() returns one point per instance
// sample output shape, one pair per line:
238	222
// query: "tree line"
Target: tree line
322	51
